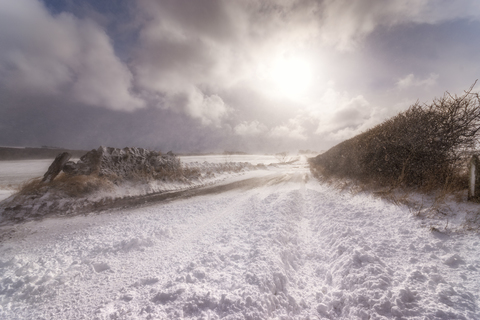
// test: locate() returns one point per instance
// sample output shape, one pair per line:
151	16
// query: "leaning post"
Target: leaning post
474	179
56	166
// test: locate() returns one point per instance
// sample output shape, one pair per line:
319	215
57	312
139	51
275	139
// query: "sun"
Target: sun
291	76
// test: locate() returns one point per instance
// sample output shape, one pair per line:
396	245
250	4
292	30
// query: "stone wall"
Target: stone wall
123	163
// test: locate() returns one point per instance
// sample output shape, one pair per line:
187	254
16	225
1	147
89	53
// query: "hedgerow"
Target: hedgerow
425	146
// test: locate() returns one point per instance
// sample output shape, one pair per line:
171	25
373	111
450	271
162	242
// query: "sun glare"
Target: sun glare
292	76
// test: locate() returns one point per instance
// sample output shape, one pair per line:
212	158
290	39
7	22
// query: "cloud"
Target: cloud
345	23
183	59
293	129
342	116
187	49
253	128
209	109
214	65
210	47
61	55
412	81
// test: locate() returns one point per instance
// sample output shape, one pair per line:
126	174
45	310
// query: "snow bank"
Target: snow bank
127	175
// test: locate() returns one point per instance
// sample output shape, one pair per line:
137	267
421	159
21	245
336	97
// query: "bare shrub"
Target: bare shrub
281	157
424	146
190	173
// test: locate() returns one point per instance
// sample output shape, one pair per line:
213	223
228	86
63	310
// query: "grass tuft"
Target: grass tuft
72	186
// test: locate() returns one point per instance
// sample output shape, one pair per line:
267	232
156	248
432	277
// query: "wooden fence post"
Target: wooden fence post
474	179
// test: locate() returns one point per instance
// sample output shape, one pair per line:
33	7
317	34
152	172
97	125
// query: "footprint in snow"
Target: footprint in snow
100	267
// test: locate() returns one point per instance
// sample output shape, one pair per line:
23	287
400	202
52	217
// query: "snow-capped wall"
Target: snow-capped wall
123	163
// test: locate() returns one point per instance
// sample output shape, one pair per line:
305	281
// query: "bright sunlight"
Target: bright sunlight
292	76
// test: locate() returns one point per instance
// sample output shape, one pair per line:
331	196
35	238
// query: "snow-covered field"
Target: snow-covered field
281	247
14	173
223	158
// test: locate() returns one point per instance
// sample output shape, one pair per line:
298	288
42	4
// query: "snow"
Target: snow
57	202
225	158
283	247
210	173
14	173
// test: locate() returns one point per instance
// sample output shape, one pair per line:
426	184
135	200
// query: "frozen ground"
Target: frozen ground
281	247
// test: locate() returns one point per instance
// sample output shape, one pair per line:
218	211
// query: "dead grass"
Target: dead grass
438	206
72	186
76	186
472	223
81	185
398	195
30	187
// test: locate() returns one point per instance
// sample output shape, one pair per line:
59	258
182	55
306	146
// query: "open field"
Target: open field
14	173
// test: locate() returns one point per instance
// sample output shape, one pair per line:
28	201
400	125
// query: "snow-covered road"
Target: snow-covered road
286	248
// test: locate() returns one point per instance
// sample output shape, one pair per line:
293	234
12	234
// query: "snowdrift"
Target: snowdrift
111	177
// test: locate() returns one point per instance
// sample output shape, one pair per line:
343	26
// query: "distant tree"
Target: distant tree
281	157
228	156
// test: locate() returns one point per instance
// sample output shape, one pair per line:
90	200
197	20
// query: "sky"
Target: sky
216	76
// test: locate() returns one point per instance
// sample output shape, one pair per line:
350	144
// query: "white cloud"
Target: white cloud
215	46
61	55
212	46
253	128
291	130
342	116
193	57
412	81
209	109
345	23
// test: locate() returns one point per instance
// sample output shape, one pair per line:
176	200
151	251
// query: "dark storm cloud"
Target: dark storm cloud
203	75
47	121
